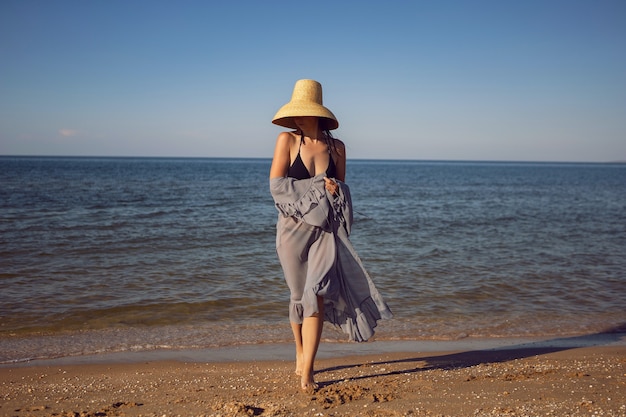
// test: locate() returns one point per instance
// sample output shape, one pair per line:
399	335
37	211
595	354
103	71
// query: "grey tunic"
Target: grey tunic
318	259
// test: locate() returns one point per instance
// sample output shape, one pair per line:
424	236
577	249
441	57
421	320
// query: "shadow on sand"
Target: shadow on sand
496	355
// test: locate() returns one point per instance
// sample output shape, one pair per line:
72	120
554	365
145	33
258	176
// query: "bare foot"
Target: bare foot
299	364
309	386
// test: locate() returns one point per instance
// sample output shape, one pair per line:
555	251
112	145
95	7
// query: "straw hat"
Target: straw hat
306	100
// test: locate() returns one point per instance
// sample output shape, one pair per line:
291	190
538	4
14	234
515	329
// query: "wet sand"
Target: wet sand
532	379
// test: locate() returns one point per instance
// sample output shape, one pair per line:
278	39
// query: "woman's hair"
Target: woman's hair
330	141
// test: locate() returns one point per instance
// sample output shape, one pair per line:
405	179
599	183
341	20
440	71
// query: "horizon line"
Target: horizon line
521	161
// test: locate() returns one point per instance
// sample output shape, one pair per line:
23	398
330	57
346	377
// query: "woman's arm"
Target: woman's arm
282	156
340	162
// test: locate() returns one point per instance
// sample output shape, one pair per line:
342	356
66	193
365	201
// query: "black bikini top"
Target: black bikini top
298	171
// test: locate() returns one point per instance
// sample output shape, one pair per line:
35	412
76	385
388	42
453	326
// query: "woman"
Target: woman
325	276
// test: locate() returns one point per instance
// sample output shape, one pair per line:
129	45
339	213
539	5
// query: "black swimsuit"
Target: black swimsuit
298	171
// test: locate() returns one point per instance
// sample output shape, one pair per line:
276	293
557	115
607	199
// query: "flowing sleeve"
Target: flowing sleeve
342	207
306	199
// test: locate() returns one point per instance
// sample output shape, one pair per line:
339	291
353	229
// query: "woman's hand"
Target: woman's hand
331	186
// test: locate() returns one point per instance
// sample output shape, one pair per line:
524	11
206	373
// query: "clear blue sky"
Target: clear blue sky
471	80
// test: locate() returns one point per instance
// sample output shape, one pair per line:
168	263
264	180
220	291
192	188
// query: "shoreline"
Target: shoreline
329	350
577	376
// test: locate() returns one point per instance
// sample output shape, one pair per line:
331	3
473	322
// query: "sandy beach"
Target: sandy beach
533	379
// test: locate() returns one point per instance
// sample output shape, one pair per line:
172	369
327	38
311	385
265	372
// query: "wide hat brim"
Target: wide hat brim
284	116
306	100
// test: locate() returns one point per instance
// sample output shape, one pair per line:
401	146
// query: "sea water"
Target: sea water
126	254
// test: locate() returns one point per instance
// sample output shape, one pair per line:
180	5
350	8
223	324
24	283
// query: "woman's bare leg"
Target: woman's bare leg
311	334
297	335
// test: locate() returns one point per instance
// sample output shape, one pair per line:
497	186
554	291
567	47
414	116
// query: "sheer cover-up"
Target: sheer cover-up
318	259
